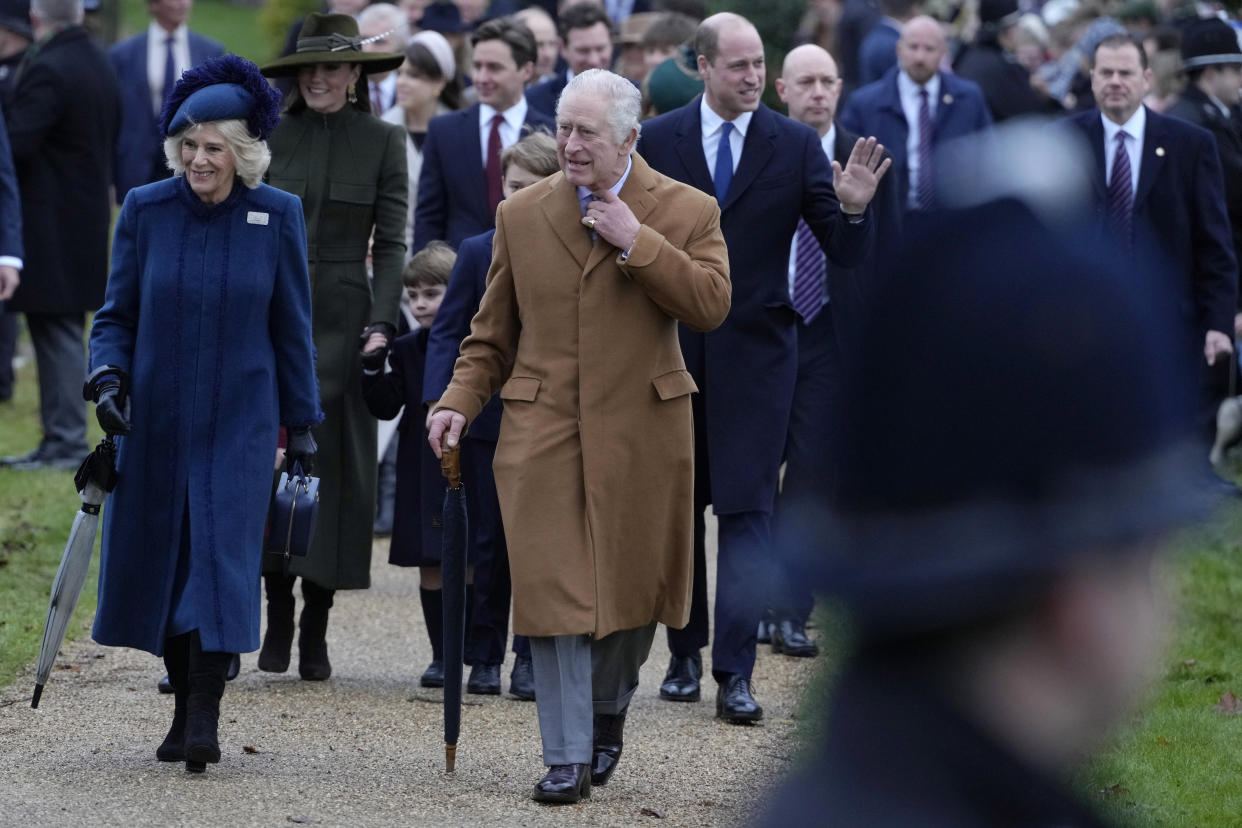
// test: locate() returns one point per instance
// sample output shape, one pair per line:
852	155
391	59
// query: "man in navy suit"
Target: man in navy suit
586	43
877	52
915	108
1159	192
460	184
767	172
145	64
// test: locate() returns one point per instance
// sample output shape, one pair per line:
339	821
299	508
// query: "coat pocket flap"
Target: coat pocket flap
295	186
520	388
351	193
674	384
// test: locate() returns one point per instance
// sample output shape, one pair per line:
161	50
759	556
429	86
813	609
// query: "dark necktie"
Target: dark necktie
724	163
1120	192
170	69
377	99
492	171
809	271
925	188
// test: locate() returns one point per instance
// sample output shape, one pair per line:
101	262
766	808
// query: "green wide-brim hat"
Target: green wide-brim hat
331	38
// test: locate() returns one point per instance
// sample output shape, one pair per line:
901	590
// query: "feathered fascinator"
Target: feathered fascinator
221	89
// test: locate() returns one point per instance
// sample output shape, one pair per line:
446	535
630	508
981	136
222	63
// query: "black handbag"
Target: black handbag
291	524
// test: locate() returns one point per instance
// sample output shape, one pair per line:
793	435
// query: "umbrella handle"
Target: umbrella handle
450	465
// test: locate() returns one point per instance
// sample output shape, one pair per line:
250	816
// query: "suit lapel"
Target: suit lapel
636	193
757	150
944	106
1153	157
1095	139
560	207
471	153
690	148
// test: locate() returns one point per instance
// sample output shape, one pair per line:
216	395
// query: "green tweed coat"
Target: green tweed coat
349	169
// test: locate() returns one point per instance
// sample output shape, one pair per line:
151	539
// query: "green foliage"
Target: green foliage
278	15
243	29
36	511
776	20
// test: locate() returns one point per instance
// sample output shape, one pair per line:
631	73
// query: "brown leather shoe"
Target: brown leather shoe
563	785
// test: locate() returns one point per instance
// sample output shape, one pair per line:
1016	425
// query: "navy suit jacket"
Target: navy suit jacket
10	201
1179	213
747	367
452	325
544	95
139	139
875	110
877	53
452	191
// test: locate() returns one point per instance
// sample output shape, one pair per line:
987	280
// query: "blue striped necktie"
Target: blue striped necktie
1121	192
724	163
810	269
170	69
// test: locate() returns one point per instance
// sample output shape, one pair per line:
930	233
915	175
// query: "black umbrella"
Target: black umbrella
95	478
453	573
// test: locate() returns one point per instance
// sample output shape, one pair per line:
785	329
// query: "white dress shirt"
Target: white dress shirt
510	129
911	102
157	38
1134	145
711	125
827	142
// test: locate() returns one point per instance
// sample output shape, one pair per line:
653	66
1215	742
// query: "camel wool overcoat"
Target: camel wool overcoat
595	459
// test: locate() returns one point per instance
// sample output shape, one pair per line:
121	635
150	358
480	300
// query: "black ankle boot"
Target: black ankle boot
206	687
177	662
278	637
313	664
433	614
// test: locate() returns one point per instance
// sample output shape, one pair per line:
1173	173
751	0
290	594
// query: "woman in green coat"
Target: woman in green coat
349	169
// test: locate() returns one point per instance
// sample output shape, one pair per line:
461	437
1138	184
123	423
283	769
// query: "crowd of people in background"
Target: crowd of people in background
403	129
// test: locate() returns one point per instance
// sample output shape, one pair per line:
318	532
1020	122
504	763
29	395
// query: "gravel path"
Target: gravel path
366	747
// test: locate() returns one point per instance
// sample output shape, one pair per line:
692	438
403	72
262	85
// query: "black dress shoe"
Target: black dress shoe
681	681
484	680
522	679
234	668
734	703
789	638
433	676
45	458
607	746
764	634
564	785
164	685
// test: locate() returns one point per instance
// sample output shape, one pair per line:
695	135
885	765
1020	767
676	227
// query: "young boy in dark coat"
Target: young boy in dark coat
420	489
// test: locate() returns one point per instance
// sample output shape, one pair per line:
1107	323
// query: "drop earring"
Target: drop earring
351	94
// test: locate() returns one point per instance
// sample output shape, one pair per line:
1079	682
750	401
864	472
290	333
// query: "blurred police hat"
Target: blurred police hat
1209	42
999	14
1020	397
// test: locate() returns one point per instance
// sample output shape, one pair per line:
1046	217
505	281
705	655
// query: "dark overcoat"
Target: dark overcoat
1179	213
348	168
62	122
594	465
747	367
208	311
419	500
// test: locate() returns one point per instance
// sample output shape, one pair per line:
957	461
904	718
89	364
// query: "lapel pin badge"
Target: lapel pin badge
948	99
1160	151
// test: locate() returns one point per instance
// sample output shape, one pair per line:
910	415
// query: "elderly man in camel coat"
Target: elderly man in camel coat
591	271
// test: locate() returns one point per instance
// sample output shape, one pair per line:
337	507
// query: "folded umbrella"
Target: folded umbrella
94	479
453	574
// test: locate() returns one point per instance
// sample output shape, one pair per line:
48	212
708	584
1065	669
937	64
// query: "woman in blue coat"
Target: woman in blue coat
201	351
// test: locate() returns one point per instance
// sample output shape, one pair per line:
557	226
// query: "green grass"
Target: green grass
236	26
36	511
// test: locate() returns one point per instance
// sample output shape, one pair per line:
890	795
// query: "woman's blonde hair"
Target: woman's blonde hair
251	156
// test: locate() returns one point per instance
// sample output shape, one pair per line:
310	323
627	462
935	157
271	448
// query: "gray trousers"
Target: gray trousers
577	677
60	357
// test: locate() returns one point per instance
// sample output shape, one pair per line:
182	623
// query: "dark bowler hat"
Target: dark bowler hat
15	16
222	89
444	18
999	13
1209	42
331	38
1020	398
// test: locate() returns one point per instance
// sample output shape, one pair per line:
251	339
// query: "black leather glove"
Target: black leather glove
300	448
374	360
108	387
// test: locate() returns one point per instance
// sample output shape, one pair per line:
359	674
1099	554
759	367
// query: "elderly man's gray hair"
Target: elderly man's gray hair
58	11
625	101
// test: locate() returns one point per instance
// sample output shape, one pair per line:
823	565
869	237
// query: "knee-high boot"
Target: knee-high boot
433	614
313	664
206	687
278	637
177	662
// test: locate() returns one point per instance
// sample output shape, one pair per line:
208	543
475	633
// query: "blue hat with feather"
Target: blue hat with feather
221	89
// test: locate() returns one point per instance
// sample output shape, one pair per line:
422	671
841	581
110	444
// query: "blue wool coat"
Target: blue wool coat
208	311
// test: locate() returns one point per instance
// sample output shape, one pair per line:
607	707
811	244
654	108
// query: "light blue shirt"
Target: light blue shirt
911	103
